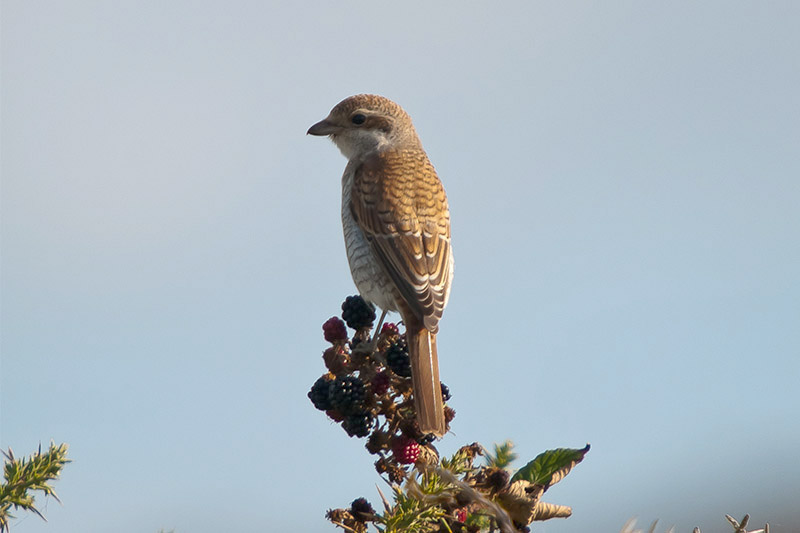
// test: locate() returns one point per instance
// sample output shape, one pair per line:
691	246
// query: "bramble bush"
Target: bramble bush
367	389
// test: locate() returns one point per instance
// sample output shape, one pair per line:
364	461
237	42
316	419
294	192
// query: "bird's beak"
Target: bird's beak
323	127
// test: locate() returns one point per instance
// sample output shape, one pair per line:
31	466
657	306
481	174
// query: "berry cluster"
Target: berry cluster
367	389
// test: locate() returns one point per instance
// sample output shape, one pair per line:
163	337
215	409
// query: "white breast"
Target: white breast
372	282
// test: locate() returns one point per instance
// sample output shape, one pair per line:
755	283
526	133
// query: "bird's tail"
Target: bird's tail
425	376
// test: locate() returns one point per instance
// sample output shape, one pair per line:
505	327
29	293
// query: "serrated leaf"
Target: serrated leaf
548	468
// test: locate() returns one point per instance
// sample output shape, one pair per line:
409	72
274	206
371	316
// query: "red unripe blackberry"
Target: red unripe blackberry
390	328
460	515
405	450
334	330
357	312
380	383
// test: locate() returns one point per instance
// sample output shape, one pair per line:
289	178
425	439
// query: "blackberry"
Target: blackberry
445	392
319	394
362	510
380	383
497	478
357	312
405	450
346	394
358	424
334	330
397	358
426	439
390	328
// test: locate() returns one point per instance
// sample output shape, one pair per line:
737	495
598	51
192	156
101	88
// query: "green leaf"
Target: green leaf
551	466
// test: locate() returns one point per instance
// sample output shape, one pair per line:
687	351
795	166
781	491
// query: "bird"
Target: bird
396	223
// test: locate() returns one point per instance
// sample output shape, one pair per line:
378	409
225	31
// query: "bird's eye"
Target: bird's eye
358	118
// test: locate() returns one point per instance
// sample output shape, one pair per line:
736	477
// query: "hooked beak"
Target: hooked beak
323	127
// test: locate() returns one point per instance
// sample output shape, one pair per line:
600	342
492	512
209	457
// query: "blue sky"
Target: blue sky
624	182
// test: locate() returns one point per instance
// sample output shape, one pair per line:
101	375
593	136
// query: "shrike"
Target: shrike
396	230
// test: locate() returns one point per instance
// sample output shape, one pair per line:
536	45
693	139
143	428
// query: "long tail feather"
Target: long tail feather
425	377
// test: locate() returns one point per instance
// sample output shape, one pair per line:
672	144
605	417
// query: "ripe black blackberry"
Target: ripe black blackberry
445	392
426	439
362	510
346	394
358	424
319	394
397	358
357	312
497	478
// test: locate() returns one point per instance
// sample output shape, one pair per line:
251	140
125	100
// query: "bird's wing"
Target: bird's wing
400	205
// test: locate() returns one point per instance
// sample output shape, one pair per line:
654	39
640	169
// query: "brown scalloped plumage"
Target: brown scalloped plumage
401	207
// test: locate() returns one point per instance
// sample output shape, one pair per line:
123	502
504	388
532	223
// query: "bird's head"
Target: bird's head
366	123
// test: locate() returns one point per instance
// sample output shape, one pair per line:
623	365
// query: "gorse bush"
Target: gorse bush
23	477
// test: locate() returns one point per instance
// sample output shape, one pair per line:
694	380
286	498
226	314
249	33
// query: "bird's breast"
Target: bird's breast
372	282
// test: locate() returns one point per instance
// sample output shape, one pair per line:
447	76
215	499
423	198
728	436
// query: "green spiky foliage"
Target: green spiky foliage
25	476
503	455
